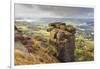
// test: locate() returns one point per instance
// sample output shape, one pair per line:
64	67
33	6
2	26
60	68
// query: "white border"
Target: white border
60	3
12	35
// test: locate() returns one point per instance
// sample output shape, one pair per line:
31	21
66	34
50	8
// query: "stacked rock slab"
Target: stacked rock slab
64	41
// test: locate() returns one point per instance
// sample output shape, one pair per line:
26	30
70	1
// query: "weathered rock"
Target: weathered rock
64	41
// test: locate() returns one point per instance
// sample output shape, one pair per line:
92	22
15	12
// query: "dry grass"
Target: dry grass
40	55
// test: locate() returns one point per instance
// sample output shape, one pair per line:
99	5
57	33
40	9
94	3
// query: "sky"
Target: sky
33	11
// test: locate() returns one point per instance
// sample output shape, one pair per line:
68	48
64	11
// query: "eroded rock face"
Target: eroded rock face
64	41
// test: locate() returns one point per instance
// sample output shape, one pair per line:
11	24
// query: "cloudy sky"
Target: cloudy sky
32	11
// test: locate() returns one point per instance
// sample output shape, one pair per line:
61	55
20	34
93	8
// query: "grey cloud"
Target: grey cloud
43	11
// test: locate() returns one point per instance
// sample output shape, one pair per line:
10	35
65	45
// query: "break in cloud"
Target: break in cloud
32	11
